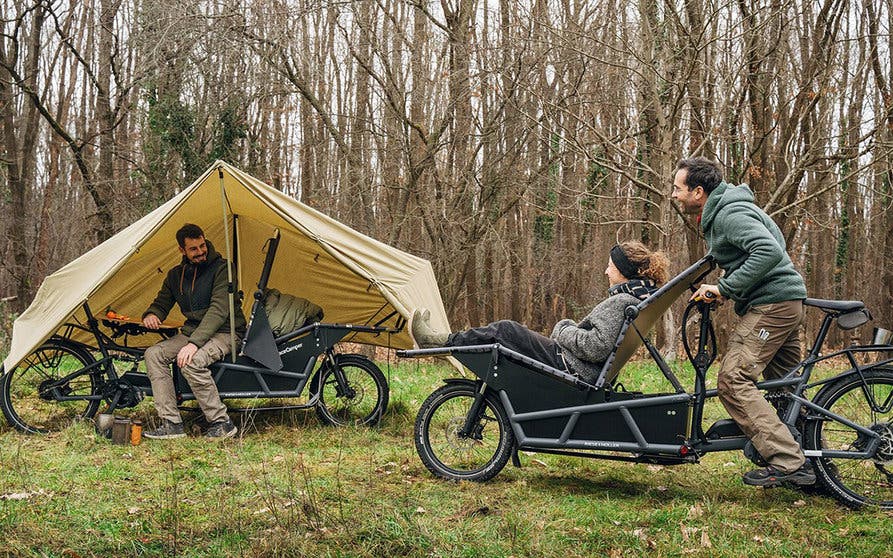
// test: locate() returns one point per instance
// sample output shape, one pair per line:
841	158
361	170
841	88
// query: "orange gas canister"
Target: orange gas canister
136	432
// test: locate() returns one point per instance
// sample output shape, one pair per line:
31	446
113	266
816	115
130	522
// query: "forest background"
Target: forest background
512	143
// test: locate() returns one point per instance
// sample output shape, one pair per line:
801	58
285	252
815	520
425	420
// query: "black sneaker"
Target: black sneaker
221	430
770	476
166	431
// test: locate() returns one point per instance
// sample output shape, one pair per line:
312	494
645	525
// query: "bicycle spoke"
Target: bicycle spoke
858	481
30	391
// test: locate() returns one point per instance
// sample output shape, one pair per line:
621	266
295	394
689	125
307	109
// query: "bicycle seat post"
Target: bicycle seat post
816	348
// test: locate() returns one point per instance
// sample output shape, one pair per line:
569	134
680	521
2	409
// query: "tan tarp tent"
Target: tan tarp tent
355	279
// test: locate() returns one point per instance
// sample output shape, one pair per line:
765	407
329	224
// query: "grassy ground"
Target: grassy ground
288	486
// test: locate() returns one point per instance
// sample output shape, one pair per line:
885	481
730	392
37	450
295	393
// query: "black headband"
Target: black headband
622	263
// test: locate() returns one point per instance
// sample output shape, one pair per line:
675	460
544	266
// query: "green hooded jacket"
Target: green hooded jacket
202	294
750	249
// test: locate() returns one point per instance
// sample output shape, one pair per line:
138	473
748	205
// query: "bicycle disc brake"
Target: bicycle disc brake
49	390
459	442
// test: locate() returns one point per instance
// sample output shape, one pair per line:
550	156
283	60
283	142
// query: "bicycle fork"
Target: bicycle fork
472	427
342	388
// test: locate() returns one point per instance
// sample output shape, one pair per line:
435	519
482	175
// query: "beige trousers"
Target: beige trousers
765	341
159	358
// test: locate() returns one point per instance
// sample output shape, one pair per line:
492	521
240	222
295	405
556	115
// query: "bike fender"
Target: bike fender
345	356
474	384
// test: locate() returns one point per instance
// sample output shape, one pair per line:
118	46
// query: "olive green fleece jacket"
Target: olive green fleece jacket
202	294
749	247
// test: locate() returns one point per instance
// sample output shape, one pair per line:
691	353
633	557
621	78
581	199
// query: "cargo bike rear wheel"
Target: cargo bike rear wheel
45	393
856	482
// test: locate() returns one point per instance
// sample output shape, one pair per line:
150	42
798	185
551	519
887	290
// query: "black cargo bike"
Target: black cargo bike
468	429
65	380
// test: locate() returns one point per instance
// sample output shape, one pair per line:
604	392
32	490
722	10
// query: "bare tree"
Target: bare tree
512	143
20	54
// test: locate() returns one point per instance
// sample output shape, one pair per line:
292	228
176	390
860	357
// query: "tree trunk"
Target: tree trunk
105	116
19	143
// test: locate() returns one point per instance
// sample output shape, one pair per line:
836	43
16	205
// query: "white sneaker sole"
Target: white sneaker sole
164	436
225	435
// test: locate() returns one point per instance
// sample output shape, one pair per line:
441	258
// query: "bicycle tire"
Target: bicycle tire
30	411
855	483
367	400
476	458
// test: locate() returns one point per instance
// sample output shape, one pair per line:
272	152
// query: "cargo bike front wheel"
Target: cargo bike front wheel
352	390
452	451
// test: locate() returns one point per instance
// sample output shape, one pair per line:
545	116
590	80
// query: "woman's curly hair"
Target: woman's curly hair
652	265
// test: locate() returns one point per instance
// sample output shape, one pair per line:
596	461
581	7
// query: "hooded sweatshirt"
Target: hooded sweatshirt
749	247
201	292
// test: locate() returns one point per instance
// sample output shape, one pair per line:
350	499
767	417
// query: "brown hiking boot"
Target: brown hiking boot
221	430
770	476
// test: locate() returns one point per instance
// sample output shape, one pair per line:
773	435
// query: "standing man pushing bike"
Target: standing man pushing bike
768	292
199	286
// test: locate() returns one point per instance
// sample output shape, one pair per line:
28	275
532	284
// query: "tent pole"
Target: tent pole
229	270
237	243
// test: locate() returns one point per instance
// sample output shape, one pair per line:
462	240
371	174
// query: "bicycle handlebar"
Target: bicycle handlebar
131	328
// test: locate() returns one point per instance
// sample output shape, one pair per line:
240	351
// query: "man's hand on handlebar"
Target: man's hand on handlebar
151	321
707	293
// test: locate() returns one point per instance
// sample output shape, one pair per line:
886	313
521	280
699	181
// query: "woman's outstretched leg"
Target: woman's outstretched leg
514	336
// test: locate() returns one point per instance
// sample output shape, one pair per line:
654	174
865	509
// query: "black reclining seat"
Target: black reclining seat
646	314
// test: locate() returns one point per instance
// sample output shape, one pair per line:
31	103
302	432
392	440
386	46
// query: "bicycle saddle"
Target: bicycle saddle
835	305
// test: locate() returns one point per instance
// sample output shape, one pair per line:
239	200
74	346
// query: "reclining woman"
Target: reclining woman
633	271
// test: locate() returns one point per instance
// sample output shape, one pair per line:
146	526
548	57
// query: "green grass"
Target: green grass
288	486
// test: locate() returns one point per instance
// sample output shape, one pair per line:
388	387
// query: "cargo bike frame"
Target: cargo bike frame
470	428
65	380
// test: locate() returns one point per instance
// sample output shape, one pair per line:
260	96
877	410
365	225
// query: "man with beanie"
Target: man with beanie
199	285
760	278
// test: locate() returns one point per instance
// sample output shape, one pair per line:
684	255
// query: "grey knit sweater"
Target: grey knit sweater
586	345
